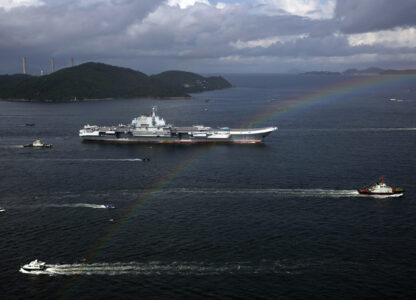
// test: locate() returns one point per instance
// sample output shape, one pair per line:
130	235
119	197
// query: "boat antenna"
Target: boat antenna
154	109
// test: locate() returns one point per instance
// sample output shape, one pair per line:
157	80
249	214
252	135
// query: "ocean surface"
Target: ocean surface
278	220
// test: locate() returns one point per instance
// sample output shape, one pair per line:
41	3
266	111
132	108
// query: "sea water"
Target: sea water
276	220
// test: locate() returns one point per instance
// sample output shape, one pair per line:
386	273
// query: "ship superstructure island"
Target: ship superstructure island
153	129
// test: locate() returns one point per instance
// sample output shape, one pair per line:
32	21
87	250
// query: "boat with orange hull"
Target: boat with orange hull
381	189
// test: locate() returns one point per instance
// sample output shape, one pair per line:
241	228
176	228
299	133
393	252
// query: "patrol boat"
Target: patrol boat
153	129
35	265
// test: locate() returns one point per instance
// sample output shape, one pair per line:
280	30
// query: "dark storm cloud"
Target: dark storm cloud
73	28
136	29
357	16
329	46
59	26
152	36
206	32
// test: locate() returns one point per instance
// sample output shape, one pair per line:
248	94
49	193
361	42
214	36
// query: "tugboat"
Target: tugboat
381	189
38	144
35	265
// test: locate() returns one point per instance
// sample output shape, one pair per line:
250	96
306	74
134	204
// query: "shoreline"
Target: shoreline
96	99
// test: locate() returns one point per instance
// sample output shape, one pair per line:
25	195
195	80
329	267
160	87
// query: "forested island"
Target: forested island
368	71
91	81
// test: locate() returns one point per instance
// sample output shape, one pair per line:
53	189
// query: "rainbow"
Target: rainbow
123	219
147	194
354	84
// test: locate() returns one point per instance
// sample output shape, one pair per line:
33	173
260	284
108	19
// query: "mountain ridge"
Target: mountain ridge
101	81
367	71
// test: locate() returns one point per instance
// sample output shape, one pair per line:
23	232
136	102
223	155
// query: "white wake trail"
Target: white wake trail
11	146
369	129
285	192
384	129
109	159
76	205
81	159
161	268
281	192
93	159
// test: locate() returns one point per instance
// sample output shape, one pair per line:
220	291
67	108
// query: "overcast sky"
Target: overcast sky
209	36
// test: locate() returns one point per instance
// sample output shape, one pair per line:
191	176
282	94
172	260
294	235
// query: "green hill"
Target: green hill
8	80
191	82
399	72
368	71
320	73
98	81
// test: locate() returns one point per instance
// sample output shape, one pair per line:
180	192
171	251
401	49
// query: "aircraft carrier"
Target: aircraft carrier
153	129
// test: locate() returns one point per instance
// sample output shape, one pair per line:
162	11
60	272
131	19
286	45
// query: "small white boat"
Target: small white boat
38	144
2	209
35	265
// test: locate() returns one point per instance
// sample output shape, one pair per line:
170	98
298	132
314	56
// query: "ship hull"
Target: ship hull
368	192
173	140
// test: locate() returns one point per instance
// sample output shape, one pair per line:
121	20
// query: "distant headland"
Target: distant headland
98	81
368	71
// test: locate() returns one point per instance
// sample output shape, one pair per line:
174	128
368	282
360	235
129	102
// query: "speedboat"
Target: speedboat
381	189
35	265
109	205
38	144
2	209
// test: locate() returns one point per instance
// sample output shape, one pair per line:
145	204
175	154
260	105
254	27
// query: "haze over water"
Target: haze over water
276	220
